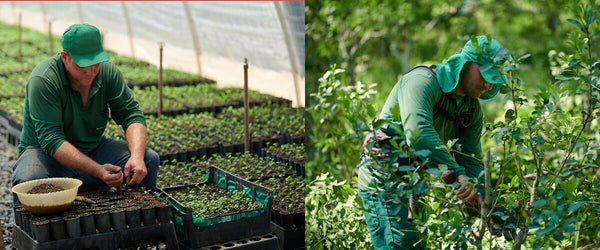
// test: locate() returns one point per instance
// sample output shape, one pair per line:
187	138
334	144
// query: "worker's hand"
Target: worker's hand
111	175
466	192
135	171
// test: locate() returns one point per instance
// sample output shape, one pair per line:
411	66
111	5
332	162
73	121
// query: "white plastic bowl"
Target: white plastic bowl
49	202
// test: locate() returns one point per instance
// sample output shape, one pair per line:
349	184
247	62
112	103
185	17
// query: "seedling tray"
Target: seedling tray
289	239
267	241
141	236
195	232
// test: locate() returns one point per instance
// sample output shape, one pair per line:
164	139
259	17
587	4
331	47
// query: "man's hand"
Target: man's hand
135	171
111	175
466	192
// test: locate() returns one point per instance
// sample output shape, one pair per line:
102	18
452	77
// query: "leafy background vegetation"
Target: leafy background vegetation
542	133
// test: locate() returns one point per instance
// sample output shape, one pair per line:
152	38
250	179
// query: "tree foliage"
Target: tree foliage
544	145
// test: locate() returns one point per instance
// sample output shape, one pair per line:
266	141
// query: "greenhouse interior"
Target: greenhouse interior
221	89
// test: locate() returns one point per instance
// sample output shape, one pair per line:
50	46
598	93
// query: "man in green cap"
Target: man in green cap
67	104
436	104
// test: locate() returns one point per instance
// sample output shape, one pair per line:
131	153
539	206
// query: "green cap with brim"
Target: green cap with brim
83	42
448	73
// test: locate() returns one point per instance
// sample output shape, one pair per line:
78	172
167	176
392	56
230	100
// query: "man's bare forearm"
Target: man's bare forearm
70	156
136	140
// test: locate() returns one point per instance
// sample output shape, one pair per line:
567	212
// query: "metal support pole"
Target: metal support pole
129	29
194	32
160	80
246	104
291	49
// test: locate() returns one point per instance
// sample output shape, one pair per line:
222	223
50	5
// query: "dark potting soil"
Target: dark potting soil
45	188
128	199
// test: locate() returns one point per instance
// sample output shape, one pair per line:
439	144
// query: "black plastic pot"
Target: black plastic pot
117	219
299	219
212	150
225	148
102	220
192	154
41	230
88	224
18	215
257	146
201	152
133	217
181	156
58	228
73	226
163	213
148	216
238	148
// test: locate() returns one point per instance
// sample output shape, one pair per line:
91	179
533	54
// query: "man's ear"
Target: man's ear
64	55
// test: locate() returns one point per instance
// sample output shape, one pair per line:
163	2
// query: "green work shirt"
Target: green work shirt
54	111
416	94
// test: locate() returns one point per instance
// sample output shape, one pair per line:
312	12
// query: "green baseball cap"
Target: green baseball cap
483	53
84	44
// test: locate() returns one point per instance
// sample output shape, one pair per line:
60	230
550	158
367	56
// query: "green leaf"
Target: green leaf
541	87
541	232
423	153
435	206
574	62
434	171
538	245
568	224
579	25
406	168
575	206
558	235
570	185
523	57
591	18
509	115
539	203
501	215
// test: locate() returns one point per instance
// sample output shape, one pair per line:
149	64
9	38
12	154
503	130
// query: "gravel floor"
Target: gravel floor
8	156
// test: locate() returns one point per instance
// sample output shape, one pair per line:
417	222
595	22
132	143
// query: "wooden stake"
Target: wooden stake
20	38
50	36
160	81
246	104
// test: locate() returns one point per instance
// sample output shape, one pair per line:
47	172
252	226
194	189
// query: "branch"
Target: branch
486	200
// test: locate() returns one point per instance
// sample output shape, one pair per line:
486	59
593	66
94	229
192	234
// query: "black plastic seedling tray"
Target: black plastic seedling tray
145	235
193	236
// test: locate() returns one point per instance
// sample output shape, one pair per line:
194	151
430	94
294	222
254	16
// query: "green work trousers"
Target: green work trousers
386	218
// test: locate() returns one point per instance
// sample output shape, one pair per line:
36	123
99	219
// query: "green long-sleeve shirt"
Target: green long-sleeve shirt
54	111
416	94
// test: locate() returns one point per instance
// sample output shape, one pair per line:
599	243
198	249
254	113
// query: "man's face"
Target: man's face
81	75
473	84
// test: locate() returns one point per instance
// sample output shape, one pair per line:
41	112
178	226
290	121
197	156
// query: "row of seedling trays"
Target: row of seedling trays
184	137
222	208
219	207
288	188
111	212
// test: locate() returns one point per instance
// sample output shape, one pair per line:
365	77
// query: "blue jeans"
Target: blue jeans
34	164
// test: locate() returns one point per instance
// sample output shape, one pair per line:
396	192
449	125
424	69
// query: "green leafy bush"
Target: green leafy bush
333	219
